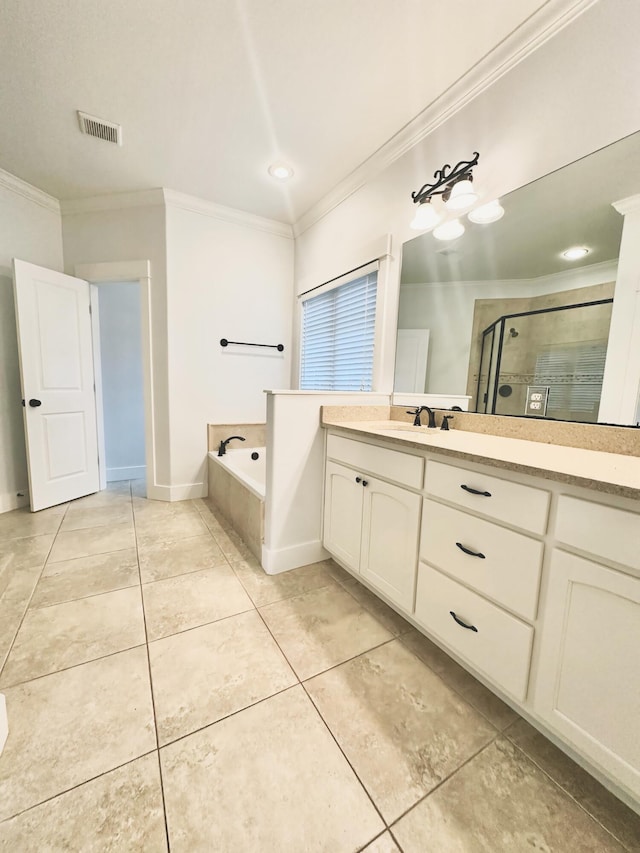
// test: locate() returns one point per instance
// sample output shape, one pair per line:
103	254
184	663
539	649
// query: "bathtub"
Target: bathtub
250	472
237	490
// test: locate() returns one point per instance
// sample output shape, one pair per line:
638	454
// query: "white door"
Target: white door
412	349
56	371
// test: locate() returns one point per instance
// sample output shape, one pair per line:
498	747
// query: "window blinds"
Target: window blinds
574	373
338	329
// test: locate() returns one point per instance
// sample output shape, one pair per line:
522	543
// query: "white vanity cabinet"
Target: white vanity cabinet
588	684
532	584
372	526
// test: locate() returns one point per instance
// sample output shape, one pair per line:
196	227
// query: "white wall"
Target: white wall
295	474
30	229
231	278
447	310
122	385
575	94
130	227
620	403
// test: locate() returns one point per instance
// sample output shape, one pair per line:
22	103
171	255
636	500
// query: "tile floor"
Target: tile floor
164	693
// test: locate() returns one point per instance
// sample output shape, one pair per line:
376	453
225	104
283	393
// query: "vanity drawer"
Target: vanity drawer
600	530
513	503
508	570
402	468
500	647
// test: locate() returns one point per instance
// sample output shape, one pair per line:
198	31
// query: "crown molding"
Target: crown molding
602	272
631	204
554	16
227	214
112	201
22	188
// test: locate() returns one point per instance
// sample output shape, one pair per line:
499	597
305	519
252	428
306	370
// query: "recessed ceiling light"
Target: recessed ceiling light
575	253
280	171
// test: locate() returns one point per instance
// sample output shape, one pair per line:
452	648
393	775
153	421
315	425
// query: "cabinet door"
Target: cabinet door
588	684
343	514
390	527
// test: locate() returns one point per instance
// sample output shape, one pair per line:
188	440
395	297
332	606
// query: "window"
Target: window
338	329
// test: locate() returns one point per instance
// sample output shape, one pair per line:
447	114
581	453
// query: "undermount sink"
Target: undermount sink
412	434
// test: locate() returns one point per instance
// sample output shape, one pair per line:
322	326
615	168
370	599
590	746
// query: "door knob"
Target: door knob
35	403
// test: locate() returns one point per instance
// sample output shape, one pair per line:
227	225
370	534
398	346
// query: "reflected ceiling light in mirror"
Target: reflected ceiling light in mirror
449	230
453	184
280	171
487	213
575	253
426	217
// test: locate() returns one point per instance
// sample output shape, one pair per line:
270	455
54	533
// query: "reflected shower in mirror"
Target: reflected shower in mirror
508	314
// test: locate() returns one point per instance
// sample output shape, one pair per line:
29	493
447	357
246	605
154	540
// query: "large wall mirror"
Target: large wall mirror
502	315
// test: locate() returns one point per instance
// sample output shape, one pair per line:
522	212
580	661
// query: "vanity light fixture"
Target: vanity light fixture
454	185
450	230
280	171
575	253
462	195
490	212
426	216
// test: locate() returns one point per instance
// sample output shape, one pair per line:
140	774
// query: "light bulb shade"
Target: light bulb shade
462	195
449	230
426	217
490	212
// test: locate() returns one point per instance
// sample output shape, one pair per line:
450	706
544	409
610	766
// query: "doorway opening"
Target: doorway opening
118	367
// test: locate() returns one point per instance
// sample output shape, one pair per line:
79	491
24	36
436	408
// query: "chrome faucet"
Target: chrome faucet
418	411
222	449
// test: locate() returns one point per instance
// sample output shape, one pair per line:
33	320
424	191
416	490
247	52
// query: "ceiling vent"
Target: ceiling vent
101	129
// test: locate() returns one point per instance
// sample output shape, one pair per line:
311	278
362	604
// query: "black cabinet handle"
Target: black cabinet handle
35	403
365	482
470	552
475	491
463	624
358	479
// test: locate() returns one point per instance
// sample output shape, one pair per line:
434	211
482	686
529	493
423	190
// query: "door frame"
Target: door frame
135	272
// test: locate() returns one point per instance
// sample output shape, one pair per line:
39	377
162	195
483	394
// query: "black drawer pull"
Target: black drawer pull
475	491
365	482
470	552
463	624
358	479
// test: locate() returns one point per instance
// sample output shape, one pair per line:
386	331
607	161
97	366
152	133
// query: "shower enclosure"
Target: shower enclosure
545	363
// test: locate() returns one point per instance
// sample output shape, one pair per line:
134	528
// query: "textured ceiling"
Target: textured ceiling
210	92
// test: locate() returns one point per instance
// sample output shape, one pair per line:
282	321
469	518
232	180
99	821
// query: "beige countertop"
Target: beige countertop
607	472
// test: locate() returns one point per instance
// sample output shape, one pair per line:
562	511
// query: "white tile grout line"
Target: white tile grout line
153	701
78	785
26	609
564	790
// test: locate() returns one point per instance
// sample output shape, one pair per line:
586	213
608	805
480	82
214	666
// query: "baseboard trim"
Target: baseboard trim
10	500
184	492
284	559
4	723
130	472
